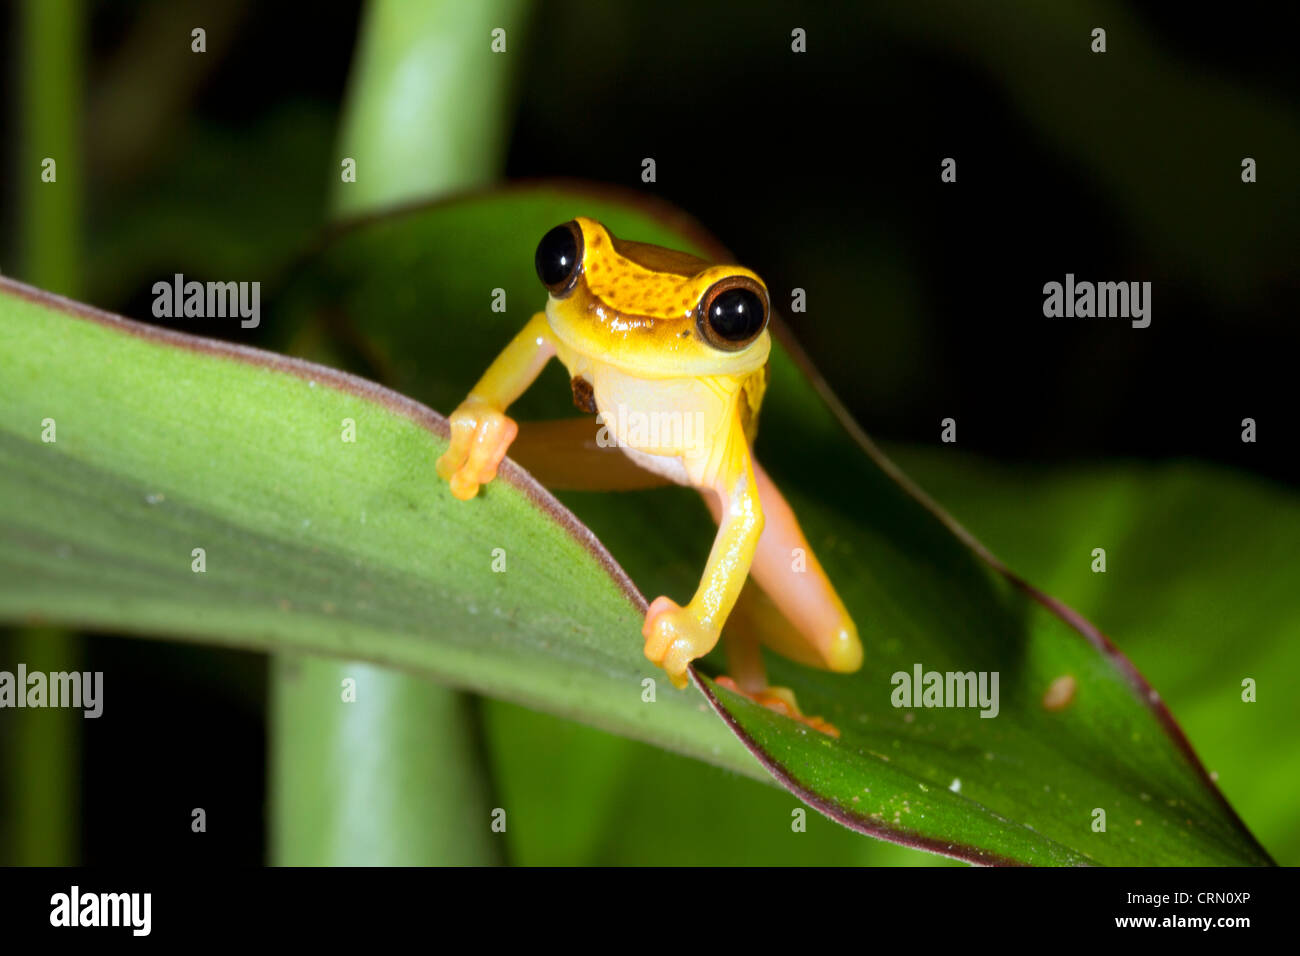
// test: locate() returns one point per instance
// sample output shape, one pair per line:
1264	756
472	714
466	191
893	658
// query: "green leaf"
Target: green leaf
168	443
357	550
580	797
417	290
1204	596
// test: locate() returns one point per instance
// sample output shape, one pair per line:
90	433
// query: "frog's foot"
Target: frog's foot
480	436
675	636
781	700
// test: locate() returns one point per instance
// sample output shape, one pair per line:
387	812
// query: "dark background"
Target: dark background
819	171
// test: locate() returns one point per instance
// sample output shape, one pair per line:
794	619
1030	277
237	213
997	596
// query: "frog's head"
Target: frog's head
648	310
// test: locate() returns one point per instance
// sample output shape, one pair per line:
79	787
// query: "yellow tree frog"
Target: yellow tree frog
671	352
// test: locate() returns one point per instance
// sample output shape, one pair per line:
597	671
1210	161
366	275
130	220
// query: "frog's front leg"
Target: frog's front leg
481	432
677	635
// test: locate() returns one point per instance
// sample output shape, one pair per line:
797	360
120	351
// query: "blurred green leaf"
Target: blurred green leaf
246	232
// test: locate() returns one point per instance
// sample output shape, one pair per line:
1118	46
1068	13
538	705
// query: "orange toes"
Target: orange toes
480	437
781	700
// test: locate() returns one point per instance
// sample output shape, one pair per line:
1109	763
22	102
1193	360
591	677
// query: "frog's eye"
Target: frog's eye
559	258
732	313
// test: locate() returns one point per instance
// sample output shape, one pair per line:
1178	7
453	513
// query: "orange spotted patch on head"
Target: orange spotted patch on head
647	281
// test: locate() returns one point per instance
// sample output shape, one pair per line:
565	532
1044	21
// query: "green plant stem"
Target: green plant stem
399	776
51	109
392	779
43	786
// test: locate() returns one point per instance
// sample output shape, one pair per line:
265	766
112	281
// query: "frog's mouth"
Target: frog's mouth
658	351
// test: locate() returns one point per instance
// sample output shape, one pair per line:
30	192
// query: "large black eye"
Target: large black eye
733	313
559	255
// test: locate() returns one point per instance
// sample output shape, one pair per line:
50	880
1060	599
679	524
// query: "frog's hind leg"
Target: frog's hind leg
797	613
749	678
789	573
567	455
817	629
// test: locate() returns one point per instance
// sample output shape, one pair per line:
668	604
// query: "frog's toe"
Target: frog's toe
480	438
449	462
781	700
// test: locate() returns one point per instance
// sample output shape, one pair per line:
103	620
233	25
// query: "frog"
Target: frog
671	352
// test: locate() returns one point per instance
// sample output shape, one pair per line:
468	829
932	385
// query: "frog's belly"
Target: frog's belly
660	424
664	418
671	467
